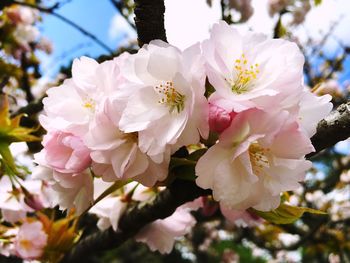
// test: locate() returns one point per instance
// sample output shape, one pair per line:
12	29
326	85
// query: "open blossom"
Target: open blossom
250	165
252	71
117	155
22	14
15	205
162	233
8	248
65	152
30	240
71	106
109	210
312	109
166	105
159	235
64	189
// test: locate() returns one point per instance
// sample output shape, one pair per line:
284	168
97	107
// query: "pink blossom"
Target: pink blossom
161	234
252	71
13	202
166	105
30	240
312	109
117	156
8	248
241	218
219	119
250	165
65	152
63	189
72	106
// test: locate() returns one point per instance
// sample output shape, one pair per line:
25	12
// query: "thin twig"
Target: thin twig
119	6
69	22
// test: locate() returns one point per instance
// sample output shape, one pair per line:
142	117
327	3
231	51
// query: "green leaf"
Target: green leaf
7	159
318	2
10	129
285	214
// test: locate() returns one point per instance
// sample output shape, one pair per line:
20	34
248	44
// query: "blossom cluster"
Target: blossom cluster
123	119
19	23
26	239
298	9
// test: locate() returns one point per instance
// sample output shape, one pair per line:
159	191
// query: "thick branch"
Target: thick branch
149	20
135	219
332	129
32	108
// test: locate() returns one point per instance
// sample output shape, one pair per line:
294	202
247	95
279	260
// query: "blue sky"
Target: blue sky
94	16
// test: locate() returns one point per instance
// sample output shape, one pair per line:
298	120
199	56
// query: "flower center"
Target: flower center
89	103
131	137
258	158
246	73
26	244
170	97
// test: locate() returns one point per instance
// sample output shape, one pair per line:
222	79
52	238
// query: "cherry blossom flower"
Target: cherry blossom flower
312	109
65	152
64	189
110	208
30	240
159	235
8	248
117	156
72	106
162	233
250	165
241	218
252	71
166	105
15	205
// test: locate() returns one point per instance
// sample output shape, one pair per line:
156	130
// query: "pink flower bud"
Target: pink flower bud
66	153
219	119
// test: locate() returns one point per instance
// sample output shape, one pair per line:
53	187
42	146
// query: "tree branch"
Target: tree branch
332	129
149	20
135	219
32	108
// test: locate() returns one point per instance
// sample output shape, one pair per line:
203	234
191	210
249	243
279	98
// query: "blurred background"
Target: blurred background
34	59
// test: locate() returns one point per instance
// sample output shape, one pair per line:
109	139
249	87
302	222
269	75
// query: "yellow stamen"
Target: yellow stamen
171	97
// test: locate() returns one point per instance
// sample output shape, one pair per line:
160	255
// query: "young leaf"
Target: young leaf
10	129
285	214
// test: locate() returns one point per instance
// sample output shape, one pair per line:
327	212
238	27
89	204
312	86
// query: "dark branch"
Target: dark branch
25	83
332	129
149	20
135	219
66	20
32	108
